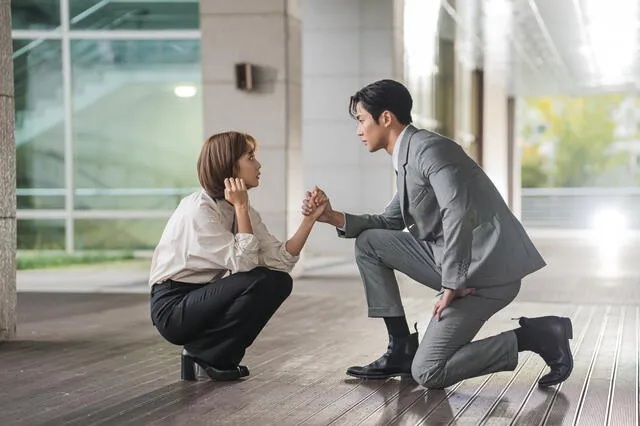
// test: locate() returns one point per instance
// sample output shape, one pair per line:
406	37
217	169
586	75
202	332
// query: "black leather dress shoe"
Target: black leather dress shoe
395	362
187	369
551	337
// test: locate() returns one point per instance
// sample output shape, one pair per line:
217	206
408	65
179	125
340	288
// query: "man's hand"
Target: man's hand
447	297
314	207
319	199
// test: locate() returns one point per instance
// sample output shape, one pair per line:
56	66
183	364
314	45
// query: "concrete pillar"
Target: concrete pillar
445	91
346	45
266	34
497	155
7	181
477	115
468	59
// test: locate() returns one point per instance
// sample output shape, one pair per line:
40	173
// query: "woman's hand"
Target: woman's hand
317	205
235	192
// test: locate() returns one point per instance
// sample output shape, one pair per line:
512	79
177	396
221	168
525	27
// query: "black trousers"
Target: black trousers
217	321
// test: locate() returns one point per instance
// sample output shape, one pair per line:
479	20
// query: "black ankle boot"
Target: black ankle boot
549	337
188	371
395	362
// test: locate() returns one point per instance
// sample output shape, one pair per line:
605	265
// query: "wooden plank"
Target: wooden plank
306	400
456	401
262	400
382	399
106	364
539	402
163	403
481	405
623	407
293	359
566	404
595	397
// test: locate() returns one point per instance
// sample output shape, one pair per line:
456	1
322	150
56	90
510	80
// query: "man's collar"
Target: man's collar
396	148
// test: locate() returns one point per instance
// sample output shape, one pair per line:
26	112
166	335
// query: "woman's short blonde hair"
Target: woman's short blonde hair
218	160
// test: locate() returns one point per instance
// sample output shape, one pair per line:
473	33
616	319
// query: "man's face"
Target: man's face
372	134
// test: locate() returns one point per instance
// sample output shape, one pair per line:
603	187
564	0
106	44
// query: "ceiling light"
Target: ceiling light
185	91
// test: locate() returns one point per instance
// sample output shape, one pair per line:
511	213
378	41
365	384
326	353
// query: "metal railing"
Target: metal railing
575	208
547	208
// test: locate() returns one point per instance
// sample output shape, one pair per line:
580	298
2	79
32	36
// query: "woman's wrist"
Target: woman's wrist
241	207
309	220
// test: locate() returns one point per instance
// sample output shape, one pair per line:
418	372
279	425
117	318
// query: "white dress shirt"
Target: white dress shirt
198	245
396	149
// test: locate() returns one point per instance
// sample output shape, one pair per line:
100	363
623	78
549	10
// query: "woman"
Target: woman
213	232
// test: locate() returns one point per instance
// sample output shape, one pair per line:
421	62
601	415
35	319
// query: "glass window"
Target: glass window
132	198
41	234
35	14
39	130
134	15
123	234
137	122
421	58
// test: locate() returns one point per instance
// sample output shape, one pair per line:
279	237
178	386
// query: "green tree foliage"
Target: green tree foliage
533	174
582	133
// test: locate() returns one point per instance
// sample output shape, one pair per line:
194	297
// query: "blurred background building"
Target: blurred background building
113	99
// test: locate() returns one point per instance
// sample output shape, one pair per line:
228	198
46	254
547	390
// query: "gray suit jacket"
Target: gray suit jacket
447	201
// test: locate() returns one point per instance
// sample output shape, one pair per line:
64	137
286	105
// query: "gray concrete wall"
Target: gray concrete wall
347	44
7	181
267	34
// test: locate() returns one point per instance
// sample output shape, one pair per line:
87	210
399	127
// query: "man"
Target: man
463	241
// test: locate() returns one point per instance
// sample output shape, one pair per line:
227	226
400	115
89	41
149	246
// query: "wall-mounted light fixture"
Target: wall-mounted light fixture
245	74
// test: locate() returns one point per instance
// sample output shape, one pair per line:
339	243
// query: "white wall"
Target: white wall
346	45
266	34
497	54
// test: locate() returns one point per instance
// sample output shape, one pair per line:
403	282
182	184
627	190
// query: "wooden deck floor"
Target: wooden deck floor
94	359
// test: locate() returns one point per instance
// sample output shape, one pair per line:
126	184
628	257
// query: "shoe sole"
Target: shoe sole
568	335
227	375
378	377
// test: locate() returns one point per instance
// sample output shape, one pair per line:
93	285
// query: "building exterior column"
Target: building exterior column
7	180
266	35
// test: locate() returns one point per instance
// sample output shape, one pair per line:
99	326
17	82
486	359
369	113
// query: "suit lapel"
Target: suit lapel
403	158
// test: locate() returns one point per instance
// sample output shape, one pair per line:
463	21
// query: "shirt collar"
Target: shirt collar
396	149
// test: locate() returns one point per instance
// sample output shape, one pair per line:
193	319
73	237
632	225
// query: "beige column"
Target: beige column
267	35
445	91
347	44
497	155
7	181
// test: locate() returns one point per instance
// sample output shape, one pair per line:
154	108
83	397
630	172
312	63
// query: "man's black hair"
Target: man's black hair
384	95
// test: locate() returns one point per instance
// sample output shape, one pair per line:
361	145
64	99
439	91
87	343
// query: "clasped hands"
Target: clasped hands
316	205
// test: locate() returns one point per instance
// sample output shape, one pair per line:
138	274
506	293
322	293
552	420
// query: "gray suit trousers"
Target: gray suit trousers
446	354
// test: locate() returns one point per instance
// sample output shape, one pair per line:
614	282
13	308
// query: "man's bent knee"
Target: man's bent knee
431	375
367	241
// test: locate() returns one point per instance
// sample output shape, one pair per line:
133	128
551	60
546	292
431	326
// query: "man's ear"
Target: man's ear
386	118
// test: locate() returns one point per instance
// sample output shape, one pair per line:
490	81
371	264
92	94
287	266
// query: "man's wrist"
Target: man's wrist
337	219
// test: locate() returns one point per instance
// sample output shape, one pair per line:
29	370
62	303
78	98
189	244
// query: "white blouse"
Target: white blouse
198	245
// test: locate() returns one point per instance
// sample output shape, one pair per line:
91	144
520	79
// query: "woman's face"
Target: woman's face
249	169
